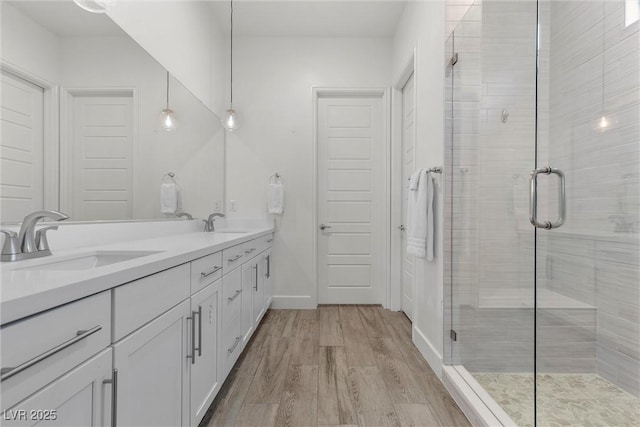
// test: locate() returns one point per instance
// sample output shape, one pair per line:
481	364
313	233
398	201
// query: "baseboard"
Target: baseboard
428	351
293	302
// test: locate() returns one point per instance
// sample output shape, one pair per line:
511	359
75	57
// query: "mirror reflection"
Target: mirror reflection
81	123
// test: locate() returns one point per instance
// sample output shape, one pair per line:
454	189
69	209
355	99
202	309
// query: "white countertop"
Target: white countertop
27	292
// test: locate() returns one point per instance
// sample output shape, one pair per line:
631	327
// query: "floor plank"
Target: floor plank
299	402
268	381
372	321
370	397
442	403
228	402
334	400
399	380
330	326
304	343
257	415
356	343
415	415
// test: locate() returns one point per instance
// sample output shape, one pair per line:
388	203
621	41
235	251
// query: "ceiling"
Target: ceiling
328	18
65	19
319	18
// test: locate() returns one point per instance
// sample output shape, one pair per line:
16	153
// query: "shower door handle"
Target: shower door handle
533	198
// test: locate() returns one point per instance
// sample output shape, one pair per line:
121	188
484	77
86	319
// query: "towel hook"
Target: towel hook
273	179
170	175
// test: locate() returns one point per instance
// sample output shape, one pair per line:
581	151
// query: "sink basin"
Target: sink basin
90	260
231	230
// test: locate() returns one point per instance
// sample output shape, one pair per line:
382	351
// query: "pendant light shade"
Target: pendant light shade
230	119
168	119
95	6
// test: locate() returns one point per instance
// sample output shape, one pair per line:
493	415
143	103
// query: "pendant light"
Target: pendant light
95	6
603	122
168	119
230	119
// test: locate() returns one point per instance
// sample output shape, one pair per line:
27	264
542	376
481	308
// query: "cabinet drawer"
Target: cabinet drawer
231	343
251	249
231	258
136	303
205	270
232	296
54	341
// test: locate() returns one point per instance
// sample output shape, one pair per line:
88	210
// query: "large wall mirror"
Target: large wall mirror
80	122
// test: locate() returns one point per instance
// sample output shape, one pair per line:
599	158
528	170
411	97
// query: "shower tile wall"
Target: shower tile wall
594	258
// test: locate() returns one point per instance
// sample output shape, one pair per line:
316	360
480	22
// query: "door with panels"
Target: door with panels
351	196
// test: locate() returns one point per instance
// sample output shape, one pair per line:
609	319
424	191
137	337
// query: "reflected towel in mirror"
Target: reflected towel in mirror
169	194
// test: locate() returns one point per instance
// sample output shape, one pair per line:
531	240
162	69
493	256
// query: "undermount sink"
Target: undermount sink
231	230
90	260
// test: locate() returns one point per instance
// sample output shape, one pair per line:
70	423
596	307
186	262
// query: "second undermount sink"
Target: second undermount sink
89	261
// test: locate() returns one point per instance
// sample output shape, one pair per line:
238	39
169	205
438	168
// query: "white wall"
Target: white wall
27	46
273	80
422	27
178	34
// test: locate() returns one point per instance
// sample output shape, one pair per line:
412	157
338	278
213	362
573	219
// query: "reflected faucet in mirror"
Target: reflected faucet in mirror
209	222
29	243
184	214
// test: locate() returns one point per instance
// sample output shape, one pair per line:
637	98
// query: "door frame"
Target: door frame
66	136
408	69
375	92
51	137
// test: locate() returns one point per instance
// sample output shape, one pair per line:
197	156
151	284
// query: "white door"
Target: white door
351	199
408	166
101	157
205	382
21	148
153	372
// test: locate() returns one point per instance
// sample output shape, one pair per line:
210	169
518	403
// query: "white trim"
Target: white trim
51	136
481	409
428	351
396	181
384	94
293	302
66	140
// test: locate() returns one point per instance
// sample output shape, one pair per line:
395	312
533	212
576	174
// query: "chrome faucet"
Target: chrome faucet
187	215
29	243
209	223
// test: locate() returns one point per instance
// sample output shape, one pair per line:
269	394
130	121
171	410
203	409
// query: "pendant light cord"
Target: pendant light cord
604	15
231	55
167	90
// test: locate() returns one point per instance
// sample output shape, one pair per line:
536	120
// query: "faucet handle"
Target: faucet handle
41	237
11	245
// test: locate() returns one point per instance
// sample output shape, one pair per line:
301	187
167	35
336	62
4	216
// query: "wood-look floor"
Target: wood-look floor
337	365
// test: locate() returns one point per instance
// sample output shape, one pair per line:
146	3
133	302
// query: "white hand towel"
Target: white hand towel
420	218
168	198
276	198
414	180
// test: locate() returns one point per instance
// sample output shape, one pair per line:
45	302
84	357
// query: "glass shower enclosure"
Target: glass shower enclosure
542	218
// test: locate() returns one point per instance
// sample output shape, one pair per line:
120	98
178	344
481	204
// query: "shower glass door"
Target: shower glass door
587	263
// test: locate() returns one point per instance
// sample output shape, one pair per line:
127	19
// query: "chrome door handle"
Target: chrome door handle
199	313
268	259
235	344
533	199
6	373
114	397
238	292
192	356
255	288
402	227
235	258
323	226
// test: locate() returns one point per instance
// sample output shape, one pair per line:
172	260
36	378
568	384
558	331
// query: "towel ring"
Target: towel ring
169	177
275	178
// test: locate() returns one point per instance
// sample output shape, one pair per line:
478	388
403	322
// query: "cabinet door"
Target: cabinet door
232	297
248	281
78	398
258	290
268	279
204	371
153	371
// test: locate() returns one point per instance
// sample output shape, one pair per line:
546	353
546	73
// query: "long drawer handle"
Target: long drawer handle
192	356
250	251
6	373
256	282
238	292
114	397
235	344
210	272
235	258
270	240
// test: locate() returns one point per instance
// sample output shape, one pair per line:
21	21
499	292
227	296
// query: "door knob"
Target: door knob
323	226
402	227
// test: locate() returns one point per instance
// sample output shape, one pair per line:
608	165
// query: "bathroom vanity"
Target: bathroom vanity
130	334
